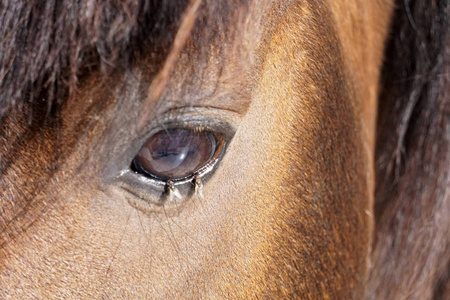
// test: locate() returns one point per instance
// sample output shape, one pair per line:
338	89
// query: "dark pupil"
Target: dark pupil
175	153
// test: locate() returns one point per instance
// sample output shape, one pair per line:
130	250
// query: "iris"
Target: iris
175	153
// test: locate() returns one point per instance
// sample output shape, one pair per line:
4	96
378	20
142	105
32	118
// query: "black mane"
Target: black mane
412	209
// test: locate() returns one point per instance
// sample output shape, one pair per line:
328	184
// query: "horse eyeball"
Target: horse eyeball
175	153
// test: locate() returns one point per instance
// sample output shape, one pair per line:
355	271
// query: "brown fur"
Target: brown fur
301	229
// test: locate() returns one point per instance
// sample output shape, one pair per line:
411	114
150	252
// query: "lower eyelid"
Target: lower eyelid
148	202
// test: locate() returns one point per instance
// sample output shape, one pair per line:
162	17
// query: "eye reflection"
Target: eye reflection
175	153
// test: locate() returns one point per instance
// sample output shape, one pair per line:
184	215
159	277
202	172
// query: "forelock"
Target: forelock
47	47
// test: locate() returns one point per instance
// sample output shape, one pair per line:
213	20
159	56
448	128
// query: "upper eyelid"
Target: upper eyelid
193	118
188	113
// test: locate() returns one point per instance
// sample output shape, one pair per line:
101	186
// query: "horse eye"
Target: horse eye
175	153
